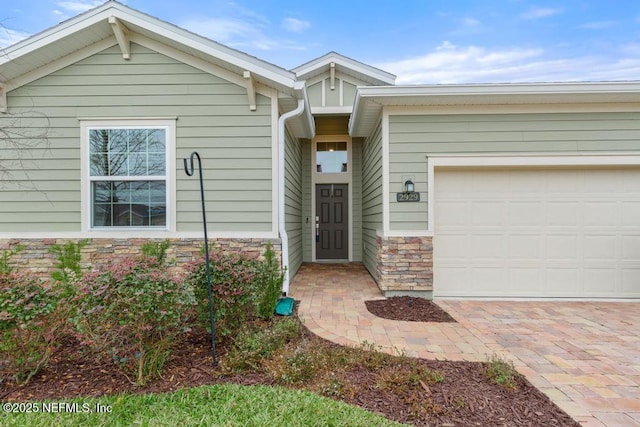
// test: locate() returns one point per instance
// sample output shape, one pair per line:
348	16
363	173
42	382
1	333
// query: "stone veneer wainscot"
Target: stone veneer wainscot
102	251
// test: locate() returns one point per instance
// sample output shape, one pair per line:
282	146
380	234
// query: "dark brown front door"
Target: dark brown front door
332	221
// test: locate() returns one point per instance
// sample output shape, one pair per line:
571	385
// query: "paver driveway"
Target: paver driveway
584	355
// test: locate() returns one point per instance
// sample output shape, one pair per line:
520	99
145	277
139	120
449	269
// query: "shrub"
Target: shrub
501	371
233	286
242	288
5	267
28	337
157	250
269	285
132	311
252	346
68	256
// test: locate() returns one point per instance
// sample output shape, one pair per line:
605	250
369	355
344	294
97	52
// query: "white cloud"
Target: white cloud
295	25
451	64
540	12
10	37
238	33
597	25
79	6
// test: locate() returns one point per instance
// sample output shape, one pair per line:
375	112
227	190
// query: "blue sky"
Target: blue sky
420	41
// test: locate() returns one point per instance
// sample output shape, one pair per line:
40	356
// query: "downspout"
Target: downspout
284	239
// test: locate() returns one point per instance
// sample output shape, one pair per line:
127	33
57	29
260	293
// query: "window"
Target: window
331	157
127	176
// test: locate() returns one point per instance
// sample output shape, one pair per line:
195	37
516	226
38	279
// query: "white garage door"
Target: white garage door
547	233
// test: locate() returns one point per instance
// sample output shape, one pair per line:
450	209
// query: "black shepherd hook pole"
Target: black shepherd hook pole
189	172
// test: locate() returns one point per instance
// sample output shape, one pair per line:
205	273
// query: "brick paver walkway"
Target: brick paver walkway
584	355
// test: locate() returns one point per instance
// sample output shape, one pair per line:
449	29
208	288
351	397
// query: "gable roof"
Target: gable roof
114	23
93	26
344	65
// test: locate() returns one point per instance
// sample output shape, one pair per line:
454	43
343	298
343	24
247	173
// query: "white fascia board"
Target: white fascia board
502	89
278	75
269	74
369	100
56	33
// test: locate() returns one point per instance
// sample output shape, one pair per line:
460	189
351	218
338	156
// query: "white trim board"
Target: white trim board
520	160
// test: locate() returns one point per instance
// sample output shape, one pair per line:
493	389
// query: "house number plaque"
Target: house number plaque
408	197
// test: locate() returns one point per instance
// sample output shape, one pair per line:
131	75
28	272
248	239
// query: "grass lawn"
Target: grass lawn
215	405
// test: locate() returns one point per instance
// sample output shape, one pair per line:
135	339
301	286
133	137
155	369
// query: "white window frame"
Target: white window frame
169	125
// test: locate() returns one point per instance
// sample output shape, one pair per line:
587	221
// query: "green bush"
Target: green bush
501	371
132	311
26	325
252	346
157	250
269	286
243	288
68	256
5	267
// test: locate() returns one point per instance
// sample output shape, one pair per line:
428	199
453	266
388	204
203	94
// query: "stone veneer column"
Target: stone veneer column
405	265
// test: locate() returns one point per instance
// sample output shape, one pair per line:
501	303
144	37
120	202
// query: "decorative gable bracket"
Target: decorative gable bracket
3	98
122	35
251	90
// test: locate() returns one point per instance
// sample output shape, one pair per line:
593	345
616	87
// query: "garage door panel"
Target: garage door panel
560	182
524	281
562	248
601	214
561	281
488	279
488	214
601	282
562	213
526	213
453	212
454	247
630	247
629	282
488	247
630	213
600	247
525	247
569	233
630	182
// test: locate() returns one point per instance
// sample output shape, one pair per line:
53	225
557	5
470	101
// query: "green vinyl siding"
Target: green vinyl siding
413	137
356	206
371	197
307	226
348	93
332	97
213	118
293	202
314	92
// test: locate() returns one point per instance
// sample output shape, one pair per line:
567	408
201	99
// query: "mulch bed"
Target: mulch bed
409	309
465	398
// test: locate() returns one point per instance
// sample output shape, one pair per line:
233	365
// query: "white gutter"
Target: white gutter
284	239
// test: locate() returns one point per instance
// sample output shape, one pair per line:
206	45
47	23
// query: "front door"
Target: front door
332	221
